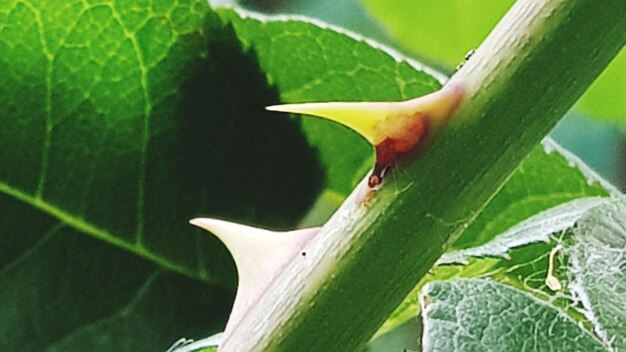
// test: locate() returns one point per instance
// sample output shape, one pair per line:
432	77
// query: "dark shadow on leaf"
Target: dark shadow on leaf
252	165
218	153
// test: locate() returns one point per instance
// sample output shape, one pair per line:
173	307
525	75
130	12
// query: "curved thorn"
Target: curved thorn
259	255
377	121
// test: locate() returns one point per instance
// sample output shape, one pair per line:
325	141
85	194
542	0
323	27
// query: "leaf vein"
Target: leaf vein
146	123
81	225
32	249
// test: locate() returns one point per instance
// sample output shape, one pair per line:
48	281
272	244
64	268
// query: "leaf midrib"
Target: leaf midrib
83	226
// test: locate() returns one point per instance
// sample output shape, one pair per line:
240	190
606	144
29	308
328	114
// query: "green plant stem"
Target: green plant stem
531	69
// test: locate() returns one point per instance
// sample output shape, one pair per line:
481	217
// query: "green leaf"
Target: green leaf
537	228
480	315
590	263
119	123
524	268
117	132
596	270
61	290
549	176
445	31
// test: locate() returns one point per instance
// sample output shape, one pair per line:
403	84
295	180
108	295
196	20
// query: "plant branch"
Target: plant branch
531	69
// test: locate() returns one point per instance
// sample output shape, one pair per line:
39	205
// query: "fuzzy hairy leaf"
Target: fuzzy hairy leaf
481	315
596	270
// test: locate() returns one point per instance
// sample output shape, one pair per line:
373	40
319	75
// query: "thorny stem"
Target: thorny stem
535	64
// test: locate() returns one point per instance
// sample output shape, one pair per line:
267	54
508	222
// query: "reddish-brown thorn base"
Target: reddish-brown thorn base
391	147
385	157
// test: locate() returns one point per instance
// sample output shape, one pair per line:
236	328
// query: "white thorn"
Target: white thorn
259	255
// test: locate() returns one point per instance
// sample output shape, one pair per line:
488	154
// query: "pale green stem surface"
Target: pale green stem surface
531	69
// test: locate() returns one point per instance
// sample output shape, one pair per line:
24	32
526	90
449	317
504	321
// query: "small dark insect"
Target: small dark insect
465	60
394	145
